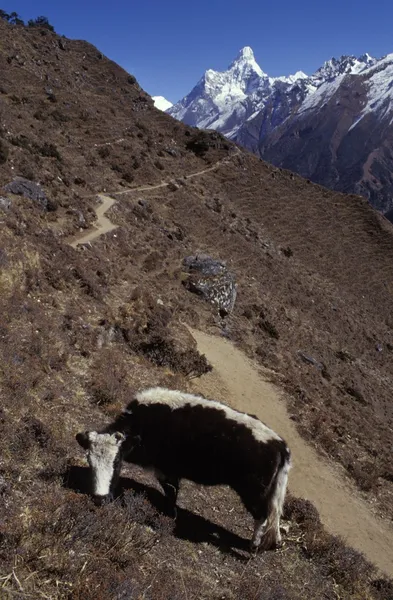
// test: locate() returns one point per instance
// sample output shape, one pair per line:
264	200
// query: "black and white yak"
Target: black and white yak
181	435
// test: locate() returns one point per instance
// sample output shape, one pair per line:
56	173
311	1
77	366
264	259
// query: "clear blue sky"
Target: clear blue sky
168	44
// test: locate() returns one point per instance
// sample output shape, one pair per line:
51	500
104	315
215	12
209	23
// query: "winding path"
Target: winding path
237	381
104	225
101	226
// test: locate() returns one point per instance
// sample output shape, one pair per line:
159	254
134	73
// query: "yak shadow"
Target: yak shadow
189	526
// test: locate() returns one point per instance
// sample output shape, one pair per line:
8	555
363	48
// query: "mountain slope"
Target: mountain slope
340	136
82	328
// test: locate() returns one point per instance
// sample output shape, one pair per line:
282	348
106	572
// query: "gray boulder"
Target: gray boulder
211	279
5	203
24	187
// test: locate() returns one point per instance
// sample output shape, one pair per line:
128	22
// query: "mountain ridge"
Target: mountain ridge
351	94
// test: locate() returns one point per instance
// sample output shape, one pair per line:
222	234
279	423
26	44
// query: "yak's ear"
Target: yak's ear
83	439
119	437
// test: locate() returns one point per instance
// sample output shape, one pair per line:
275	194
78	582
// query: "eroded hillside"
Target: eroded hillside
83	327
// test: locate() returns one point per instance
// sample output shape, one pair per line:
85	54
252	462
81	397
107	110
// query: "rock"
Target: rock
214	204
5	203
210	278
319	365
81	218
310	360
29	189
171	151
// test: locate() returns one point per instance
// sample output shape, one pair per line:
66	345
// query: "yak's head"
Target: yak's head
104	457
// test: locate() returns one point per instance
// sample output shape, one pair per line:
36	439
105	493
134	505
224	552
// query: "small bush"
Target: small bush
366	475
50	150
41	22
4	151
288	252
383	588
59	116
128	177
267	326
199	144
109	379
163	353
103	151
21	141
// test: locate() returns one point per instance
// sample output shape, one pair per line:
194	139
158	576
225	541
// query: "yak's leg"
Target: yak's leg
267	530
260	516
170	485
254	500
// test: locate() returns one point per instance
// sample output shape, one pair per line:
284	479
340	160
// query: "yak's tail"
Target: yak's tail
269	531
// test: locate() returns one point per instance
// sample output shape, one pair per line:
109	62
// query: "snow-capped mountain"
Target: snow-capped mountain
224	100
334	127
339	135
162	103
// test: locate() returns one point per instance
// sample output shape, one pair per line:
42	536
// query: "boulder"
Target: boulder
211	279
5	203
24	187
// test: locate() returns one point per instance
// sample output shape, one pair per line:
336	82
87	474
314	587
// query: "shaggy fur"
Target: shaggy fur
185	436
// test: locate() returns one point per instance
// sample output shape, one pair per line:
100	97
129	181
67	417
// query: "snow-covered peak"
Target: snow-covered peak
245	62
344	65
162	103
291	78
224	100
378	82
246	53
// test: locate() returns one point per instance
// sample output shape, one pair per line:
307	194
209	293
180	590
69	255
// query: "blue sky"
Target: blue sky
168	44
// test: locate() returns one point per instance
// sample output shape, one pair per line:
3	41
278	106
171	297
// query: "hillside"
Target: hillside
333	127
84	326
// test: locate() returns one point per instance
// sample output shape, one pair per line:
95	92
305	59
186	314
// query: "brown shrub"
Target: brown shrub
163	353
150	335
347	566
104	151
108	378
365	474
4	151
268	326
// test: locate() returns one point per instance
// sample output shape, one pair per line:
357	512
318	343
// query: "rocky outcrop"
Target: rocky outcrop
210	279
24	187
5	203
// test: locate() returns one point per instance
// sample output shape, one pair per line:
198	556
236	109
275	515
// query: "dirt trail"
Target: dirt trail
101	226
104	225
236	380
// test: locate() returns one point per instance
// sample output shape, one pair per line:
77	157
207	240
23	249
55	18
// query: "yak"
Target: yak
180	435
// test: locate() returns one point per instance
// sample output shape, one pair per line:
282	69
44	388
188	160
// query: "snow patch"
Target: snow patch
162	103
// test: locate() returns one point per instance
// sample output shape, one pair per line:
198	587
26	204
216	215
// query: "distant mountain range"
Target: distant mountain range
333	127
